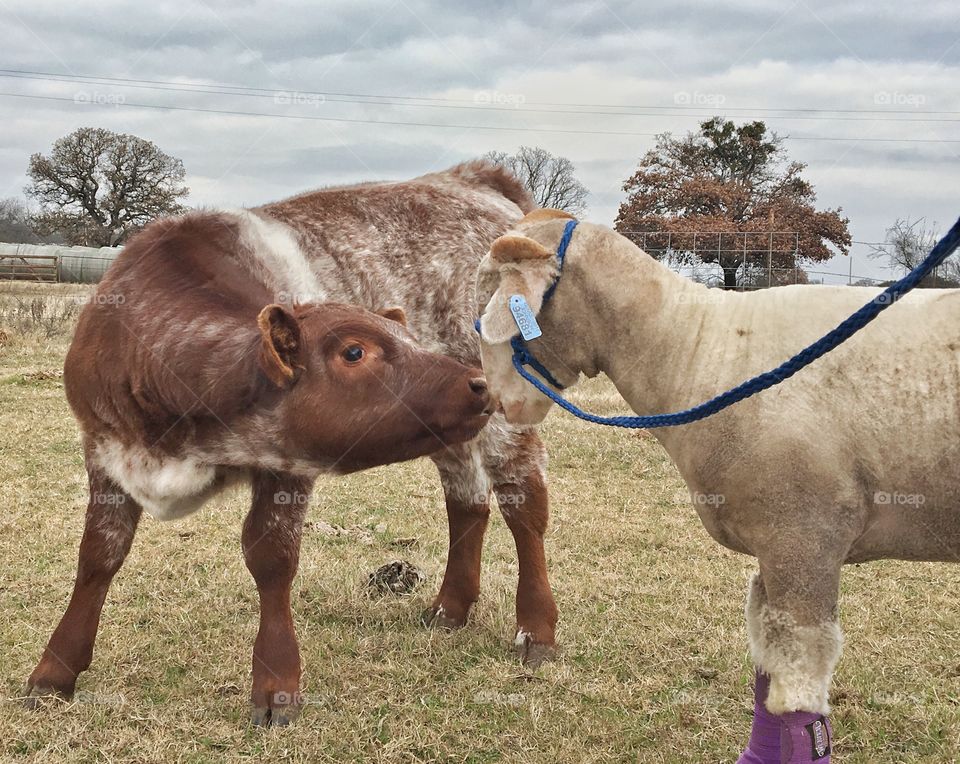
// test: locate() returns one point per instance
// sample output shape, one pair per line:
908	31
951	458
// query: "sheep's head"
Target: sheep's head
515	265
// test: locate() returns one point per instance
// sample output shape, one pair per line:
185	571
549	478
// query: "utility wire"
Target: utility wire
449	103
498	128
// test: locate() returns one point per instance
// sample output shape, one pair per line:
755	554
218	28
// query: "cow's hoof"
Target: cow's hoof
533	654
437	618
37	696
277	716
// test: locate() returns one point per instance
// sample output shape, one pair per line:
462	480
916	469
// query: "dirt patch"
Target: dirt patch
398	577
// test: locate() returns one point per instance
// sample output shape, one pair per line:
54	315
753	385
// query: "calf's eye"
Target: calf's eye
352	353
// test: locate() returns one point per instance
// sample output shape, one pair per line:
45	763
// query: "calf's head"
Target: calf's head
353	390
517	265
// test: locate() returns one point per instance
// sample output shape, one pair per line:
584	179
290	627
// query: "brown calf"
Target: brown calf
417	244
186	375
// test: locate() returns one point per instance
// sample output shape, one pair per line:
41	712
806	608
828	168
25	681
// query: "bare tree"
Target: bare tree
15	223
548	177
97	187
907	243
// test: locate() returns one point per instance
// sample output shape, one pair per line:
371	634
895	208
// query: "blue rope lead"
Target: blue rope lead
522	356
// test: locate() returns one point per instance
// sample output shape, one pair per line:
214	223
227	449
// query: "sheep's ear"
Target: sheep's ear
280	344
497	323
518	249
519	265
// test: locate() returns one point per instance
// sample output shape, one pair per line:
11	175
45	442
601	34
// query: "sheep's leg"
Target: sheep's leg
271	549
795	642
111	523
524	503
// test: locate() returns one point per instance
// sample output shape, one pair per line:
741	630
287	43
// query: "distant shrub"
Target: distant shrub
45	317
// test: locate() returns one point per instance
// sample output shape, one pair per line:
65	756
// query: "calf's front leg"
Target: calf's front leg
111	522
515	466
271	549
525	507
467	517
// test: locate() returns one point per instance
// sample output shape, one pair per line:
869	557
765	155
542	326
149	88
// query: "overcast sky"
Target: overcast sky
868	71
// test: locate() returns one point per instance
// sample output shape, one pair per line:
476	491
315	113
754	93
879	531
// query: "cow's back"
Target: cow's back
414	244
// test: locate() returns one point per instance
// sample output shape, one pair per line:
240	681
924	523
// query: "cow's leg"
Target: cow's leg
795	641
111	523
514	462
521	491
466	490
271	549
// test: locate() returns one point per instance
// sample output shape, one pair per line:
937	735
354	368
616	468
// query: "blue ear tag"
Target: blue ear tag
526	321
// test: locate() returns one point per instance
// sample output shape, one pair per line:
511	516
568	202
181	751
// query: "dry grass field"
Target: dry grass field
654	665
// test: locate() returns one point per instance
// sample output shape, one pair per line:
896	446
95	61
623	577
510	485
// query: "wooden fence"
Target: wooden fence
36	268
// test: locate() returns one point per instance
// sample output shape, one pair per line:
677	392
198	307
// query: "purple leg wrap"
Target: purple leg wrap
764	745
805	738
795	738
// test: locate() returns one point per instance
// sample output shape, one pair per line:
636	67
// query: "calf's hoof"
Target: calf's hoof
436	617
38	694
533	653
282	711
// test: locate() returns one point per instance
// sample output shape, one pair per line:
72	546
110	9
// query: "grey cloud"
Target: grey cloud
808	53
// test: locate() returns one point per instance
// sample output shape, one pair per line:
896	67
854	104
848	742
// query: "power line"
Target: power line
314	118
448	103
498	128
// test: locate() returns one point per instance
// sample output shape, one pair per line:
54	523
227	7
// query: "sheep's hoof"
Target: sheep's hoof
533	654
38	696
437	618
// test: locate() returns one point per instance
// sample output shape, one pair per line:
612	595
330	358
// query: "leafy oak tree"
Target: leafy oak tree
726	179
97	187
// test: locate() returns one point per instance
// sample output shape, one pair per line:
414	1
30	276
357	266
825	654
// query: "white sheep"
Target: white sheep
853	459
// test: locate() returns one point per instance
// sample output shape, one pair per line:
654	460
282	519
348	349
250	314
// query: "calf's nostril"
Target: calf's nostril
478	385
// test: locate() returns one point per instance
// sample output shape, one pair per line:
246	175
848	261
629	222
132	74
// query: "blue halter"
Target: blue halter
522	357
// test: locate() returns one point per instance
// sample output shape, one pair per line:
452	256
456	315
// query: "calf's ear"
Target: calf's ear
397	314
281	345
520	266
